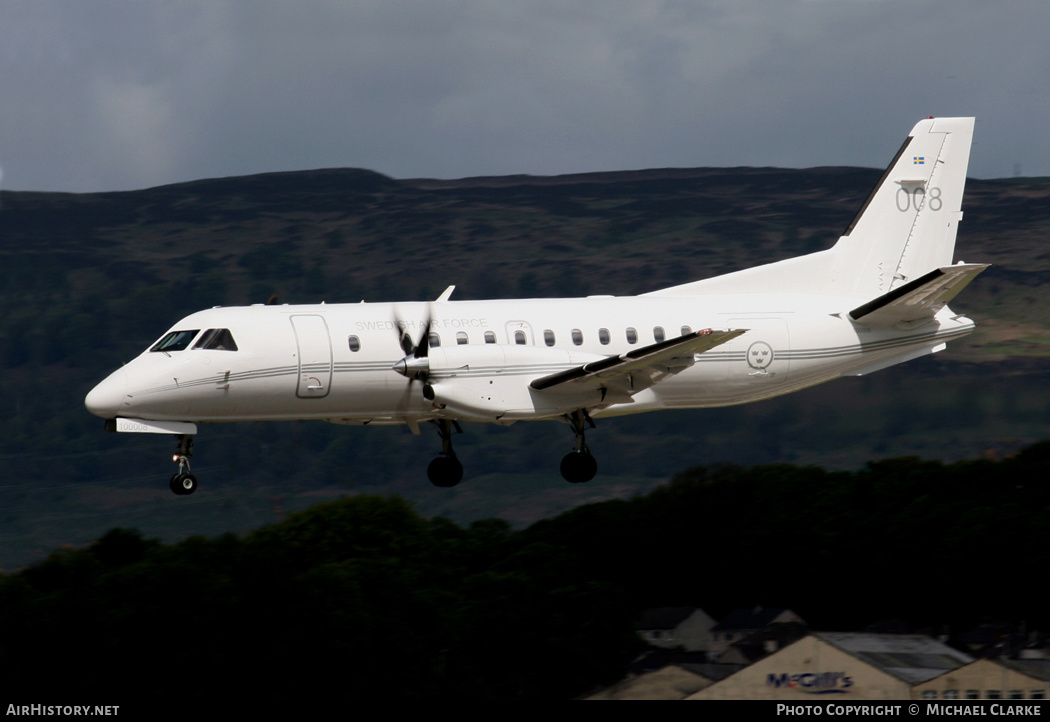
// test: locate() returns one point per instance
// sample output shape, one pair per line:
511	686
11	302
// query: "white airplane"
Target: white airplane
876	298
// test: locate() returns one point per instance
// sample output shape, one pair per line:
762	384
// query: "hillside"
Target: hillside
88	280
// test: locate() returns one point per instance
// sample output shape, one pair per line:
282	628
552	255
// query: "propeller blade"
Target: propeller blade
417	350
405	339
423	347
406	398
416	363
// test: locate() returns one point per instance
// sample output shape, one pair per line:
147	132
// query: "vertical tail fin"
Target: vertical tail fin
903	231
907	226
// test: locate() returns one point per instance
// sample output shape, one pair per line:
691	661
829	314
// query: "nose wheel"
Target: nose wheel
183	483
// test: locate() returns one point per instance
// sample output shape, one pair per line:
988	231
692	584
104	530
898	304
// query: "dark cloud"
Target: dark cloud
116	94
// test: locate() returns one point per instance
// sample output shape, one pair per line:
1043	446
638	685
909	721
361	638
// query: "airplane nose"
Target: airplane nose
106	399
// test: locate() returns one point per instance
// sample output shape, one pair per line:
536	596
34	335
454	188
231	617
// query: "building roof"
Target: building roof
910	657
747	619
1037	668
998	640
669	683
761	643
658	657
711	670
664	617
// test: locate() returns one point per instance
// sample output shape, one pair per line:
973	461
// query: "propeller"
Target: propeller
416	363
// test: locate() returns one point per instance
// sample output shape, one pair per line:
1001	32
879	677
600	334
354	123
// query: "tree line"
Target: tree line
363	597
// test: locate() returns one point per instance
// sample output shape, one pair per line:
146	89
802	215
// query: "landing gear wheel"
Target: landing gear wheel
445	471
578	467
183	484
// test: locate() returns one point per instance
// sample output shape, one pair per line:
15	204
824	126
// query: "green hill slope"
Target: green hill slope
87	281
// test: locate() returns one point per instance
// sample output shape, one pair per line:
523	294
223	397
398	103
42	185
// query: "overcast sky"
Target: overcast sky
112	95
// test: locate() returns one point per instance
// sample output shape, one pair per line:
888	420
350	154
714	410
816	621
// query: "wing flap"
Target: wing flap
640	368
919	299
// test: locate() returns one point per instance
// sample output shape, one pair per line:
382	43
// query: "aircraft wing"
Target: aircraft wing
638	369
919	299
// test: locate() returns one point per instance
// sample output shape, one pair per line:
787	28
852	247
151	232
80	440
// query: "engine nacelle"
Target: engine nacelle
491	381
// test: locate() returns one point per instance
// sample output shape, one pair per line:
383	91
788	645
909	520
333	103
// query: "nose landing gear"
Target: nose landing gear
183	483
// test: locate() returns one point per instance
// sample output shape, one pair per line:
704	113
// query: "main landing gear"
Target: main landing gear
446	470
183	482
578	465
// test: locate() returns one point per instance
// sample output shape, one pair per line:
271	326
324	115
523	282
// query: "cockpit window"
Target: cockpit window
217	339
175	341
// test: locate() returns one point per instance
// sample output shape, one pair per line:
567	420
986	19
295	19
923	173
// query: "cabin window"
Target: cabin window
434	339
175	341
461	337
548	337
217	339
686	330
577	337
632	335
519	338
603	336
490	337
658	334
355	343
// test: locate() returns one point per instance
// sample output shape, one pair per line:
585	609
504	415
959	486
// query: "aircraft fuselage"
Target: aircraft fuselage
300	362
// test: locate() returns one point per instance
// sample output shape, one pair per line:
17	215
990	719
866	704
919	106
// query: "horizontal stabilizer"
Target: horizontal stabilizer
642	367
918	299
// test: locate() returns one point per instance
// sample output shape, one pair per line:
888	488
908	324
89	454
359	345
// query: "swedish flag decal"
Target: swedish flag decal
919	160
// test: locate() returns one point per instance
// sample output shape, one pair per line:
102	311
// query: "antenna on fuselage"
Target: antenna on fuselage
272	300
